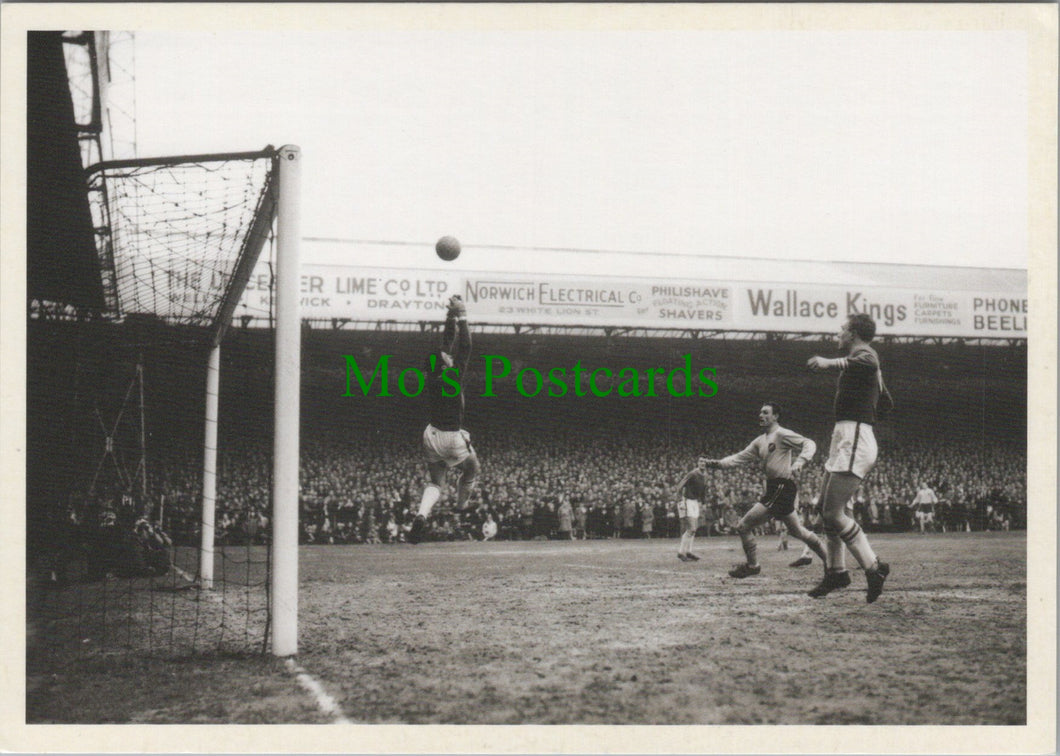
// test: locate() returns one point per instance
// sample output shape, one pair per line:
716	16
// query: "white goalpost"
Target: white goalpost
283	610
209	469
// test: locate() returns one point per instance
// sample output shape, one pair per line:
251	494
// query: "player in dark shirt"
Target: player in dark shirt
860	392
692	491
445	369
445	442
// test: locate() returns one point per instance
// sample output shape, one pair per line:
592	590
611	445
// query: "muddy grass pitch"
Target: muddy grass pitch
602	632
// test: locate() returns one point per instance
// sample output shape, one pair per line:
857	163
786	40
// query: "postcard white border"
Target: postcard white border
1039	21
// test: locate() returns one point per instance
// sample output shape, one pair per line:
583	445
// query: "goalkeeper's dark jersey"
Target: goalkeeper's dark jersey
446	404
860	387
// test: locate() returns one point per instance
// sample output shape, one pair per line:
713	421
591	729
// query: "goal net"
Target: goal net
152	479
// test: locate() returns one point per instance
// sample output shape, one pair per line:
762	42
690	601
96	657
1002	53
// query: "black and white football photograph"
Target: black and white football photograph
423	370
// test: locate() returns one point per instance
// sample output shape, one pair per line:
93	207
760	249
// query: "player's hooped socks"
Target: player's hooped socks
836	576
875	570
835	573
854	537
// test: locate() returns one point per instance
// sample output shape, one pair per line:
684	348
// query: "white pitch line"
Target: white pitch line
209	594
559	549
186	575
518	552
325	702
605	567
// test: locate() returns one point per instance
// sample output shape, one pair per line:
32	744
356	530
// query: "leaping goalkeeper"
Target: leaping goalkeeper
445	442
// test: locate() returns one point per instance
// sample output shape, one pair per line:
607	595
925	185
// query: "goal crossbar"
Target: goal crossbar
159	162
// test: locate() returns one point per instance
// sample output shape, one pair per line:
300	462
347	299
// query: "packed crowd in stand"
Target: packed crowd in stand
556	487
587	468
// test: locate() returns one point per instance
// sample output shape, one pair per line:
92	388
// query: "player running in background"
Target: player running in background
923	506
773	450
859	392
445	442
782	536
692	491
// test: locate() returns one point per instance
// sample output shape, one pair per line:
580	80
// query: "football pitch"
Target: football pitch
605	632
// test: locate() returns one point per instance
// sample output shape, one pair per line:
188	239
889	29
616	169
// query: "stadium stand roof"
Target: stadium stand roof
62	265
661	264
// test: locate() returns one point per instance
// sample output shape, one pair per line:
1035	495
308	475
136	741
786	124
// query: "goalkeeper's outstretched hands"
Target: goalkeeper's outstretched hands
457	308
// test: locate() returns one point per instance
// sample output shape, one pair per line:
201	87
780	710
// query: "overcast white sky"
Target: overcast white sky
906	147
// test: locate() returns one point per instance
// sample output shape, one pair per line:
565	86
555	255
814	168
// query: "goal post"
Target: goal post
283	610
209	468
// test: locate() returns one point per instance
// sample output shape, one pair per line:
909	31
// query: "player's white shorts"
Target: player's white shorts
688	508
451	447
853	449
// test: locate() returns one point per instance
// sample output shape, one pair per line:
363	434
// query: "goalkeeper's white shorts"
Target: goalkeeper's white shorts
451	447
853	449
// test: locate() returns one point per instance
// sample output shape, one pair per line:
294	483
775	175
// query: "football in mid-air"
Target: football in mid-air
448	248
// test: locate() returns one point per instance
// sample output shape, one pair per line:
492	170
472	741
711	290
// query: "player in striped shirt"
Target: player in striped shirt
860	391
774	451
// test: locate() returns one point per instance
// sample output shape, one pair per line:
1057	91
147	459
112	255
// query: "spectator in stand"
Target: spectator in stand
542	520
647	520
581	517
959	511
660	523
489	528
629	518
526	519
565	520
944	513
